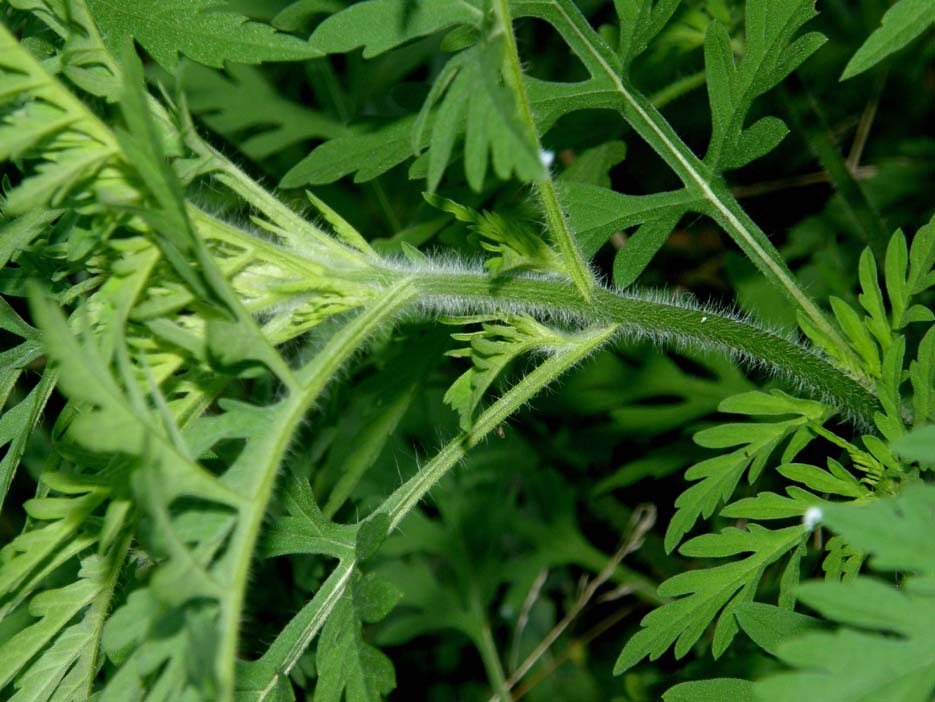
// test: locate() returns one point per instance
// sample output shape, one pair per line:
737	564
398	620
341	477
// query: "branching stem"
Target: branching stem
298	634
312	380
548	196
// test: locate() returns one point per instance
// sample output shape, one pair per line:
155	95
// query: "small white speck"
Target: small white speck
546	157
704	319
812	517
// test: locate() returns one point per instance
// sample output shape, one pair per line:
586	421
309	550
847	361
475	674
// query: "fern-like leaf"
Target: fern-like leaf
718	476
710	593
491	349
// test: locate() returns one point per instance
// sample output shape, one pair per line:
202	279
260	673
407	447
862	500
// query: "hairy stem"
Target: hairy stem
448	289
671	321
548	196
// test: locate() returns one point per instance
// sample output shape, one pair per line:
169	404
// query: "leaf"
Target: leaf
922	258
917	445
714	690
64	165
652	394
592	166
294	16
370	418
922	375
871	299
858	335
516	244
368	153
902	23
233	337
895	270
207	31
381	25
53	538
640	22
840	483
769	505
305	529
719	475
771	53
348	667
769	626
466	94
244	107
634	256
471	99
596	212
842	561
55	657
712	593
16	427
54	609
108	421
491	349
881	650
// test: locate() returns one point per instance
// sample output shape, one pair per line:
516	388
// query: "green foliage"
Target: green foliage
885	630
491	349
771	52
901	23
244	107
756	442
220	472
206	31
712	593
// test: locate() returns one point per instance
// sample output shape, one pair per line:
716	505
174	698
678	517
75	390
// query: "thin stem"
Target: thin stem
864	125
408	495
300	231
523	619
800	181
451	290
555	219
97	613
675	90
641	522
809	120
491	658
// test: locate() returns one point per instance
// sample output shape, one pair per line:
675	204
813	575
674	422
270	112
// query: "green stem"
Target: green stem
298	230
674	321
558	225
677	89
649	123
101	607
440	288
410	493
312	380
817	134
487	648
261	676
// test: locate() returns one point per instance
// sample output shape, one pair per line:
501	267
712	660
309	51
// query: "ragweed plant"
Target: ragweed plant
221	416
